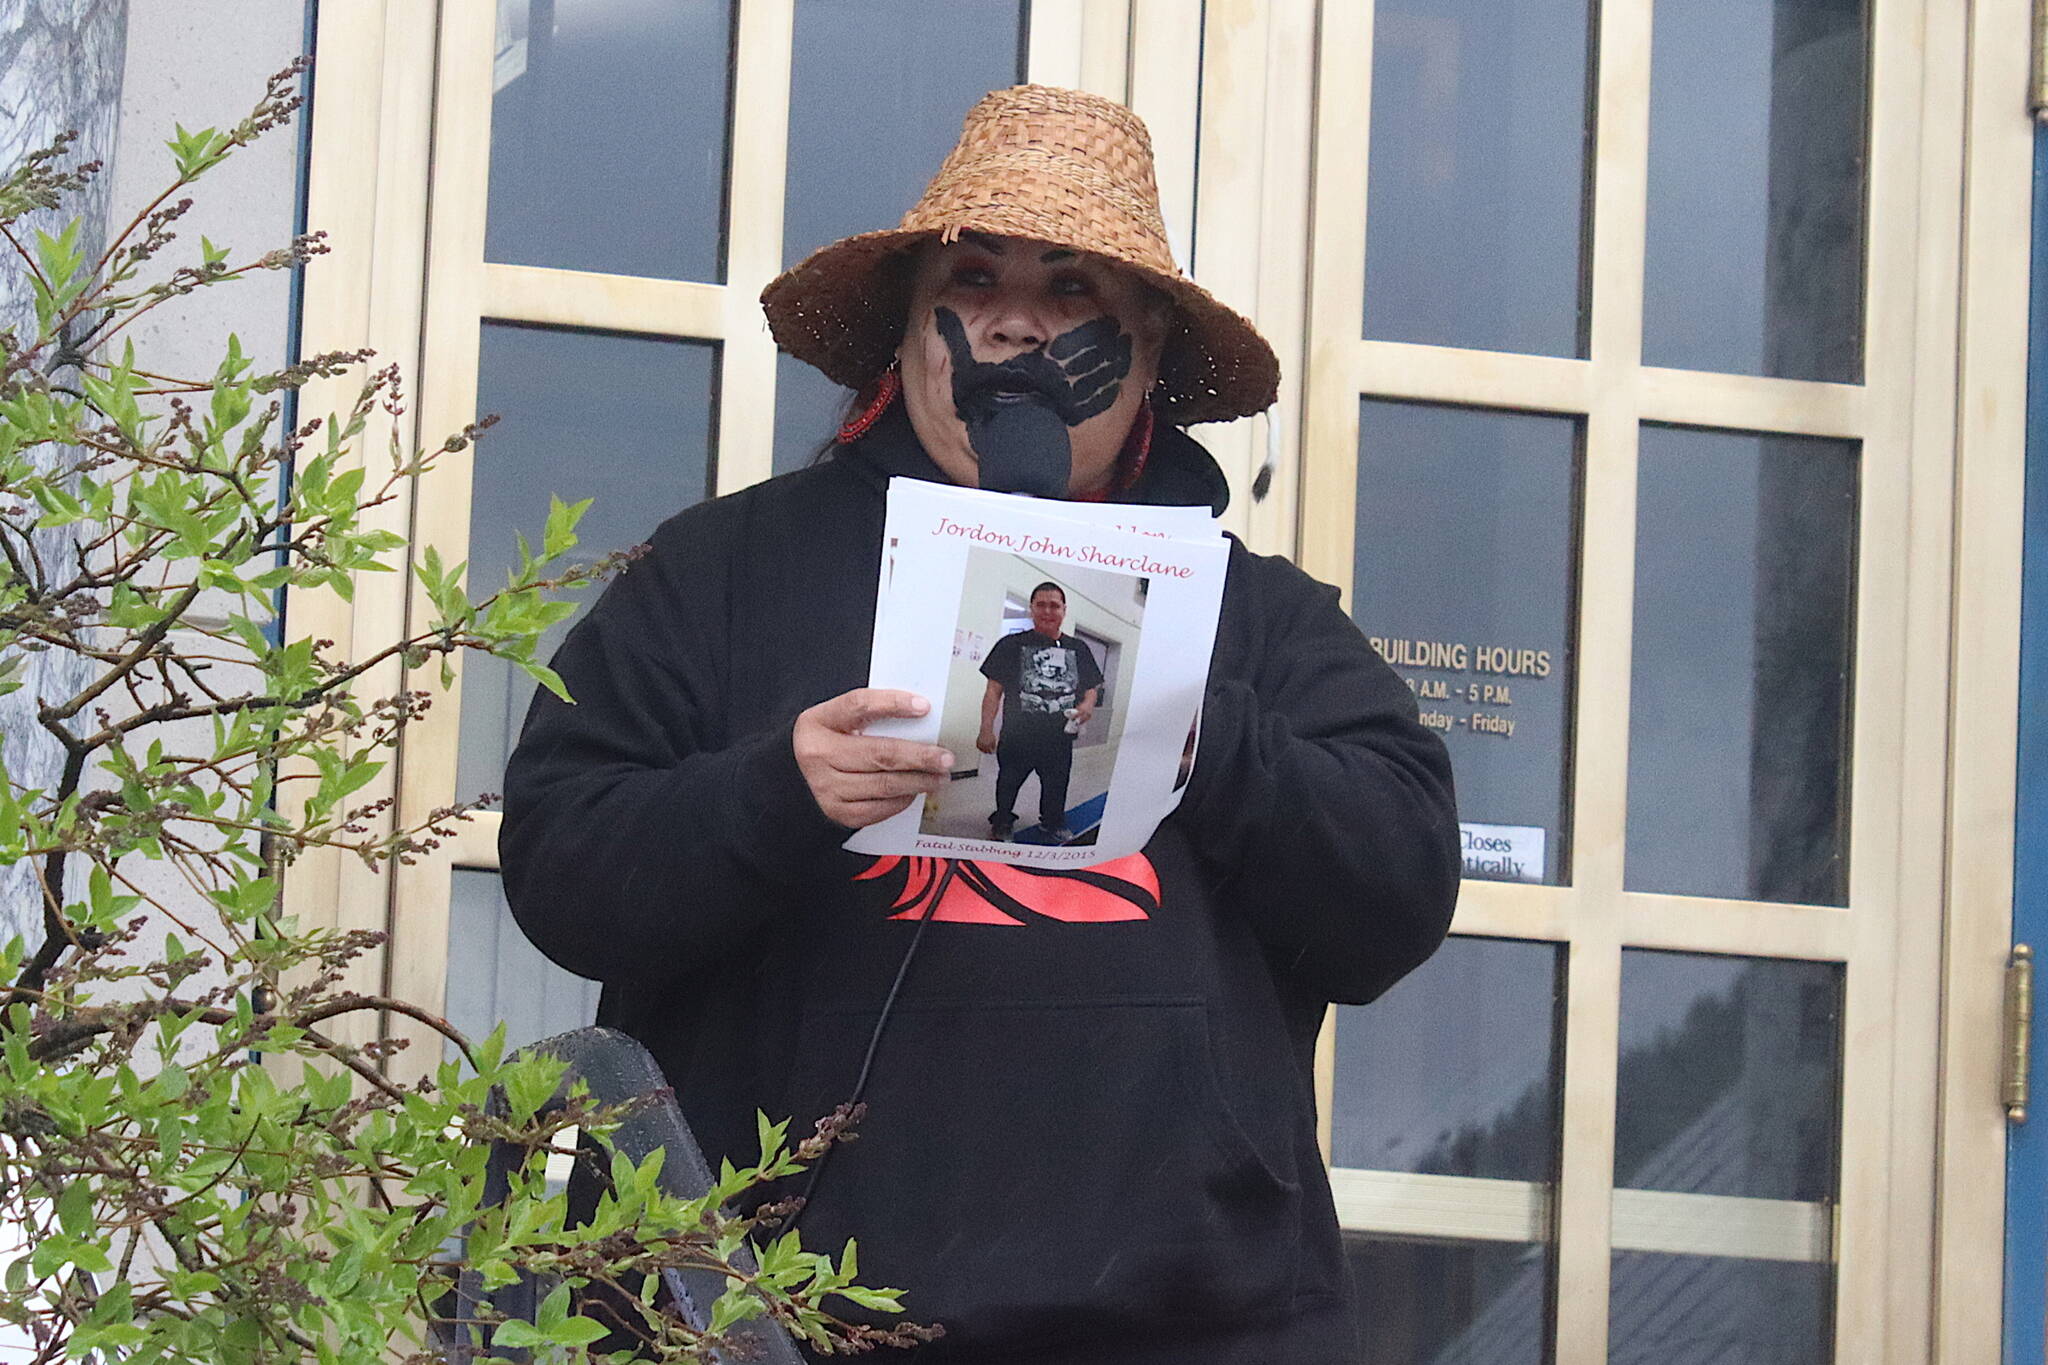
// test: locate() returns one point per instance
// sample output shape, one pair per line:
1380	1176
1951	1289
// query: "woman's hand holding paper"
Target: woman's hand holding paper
859	779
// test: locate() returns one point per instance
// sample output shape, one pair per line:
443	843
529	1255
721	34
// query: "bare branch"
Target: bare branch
349	1004
145	644
34	267
57	931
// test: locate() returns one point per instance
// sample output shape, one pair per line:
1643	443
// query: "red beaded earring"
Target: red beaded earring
1137	447
885	390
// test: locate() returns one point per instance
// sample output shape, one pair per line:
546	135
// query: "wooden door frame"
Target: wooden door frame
371	118
1950	155
1081	42
1989	282
371	143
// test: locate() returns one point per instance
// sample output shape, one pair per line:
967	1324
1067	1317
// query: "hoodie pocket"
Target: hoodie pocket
1028	1171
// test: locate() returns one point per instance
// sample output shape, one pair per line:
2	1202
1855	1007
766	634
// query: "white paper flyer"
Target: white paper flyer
1064	647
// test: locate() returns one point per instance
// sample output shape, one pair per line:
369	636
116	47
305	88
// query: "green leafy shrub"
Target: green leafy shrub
196	1168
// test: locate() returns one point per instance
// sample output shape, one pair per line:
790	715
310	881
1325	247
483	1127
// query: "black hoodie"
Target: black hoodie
1091	1134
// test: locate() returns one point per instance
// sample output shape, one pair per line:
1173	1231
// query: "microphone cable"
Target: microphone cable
867	1061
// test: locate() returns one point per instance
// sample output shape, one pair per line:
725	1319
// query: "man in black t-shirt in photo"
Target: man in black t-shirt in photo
1046	686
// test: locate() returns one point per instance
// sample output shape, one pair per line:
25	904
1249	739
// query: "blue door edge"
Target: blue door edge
2026	1197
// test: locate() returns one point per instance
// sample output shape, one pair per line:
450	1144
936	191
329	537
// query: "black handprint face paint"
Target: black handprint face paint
1078	374
1014	410
1024	363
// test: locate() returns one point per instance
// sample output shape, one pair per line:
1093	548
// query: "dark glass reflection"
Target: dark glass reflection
626	421
1739	711
1710	1308
1463	575
808	409
1450	1303
1454	1071
903	73
495	975
609	132
1730	1075
1756	207
878	89
1475	228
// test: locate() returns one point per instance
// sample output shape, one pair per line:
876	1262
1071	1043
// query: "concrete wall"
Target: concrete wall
181	72
124	72
202	63
61	67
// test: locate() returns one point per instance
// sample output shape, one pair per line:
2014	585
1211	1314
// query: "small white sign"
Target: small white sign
1503	853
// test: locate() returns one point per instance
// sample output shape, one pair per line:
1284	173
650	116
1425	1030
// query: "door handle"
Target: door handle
2019	1029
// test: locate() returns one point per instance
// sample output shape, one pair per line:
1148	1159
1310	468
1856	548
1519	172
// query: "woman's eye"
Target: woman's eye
1072	285
974	276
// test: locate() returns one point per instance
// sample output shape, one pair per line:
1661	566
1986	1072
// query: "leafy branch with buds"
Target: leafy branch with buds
196	1167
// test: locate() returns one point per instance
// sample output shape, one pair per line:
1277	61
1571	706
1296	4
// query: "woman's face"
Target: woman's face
1093	331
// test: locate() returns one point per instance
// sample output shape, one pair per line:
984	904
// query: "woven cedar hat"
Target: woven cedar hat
1057	166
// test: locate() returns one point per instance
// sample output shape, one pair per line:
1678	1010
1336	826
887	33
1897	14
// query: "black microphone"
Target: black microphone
1023	448
1018	411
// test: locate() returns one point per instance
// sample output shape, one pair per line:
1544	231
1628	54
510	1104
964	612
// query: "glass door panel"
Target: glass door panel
1444	1302
1444	1143
1463	579
628	422
1758	152
1739	736
1730	1076
878	89
1454	1071
610	127
1714	1308
1481	119
625	421
1653	455
1728	1107
496	977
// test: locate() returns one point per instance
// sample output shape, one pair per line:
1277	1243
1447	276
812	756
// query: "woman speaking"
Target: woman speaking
1090	1134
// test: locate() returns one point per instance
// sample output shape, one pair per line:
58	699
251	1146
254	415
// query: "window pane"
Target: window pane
1712	1308
1730	1076
1451	1303
609	132
1739	718
808	409
626	421
1454	1070
1757	151
878	89
495	975
1463	576
1475	230
903	73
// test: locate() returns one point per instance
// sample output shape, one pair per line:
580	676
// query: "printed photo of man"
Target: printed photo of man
1045	685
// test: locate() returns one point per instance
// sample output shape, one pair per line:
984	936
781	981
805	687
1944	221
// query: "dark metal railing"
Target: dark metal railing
616	1070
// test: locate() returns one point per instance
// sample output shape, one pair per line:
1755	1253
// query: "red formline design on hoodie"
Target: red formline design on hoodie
1121	889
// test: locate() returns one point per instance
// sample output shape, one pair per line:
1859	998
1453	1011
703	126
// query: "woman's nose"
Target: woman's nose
1015	325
